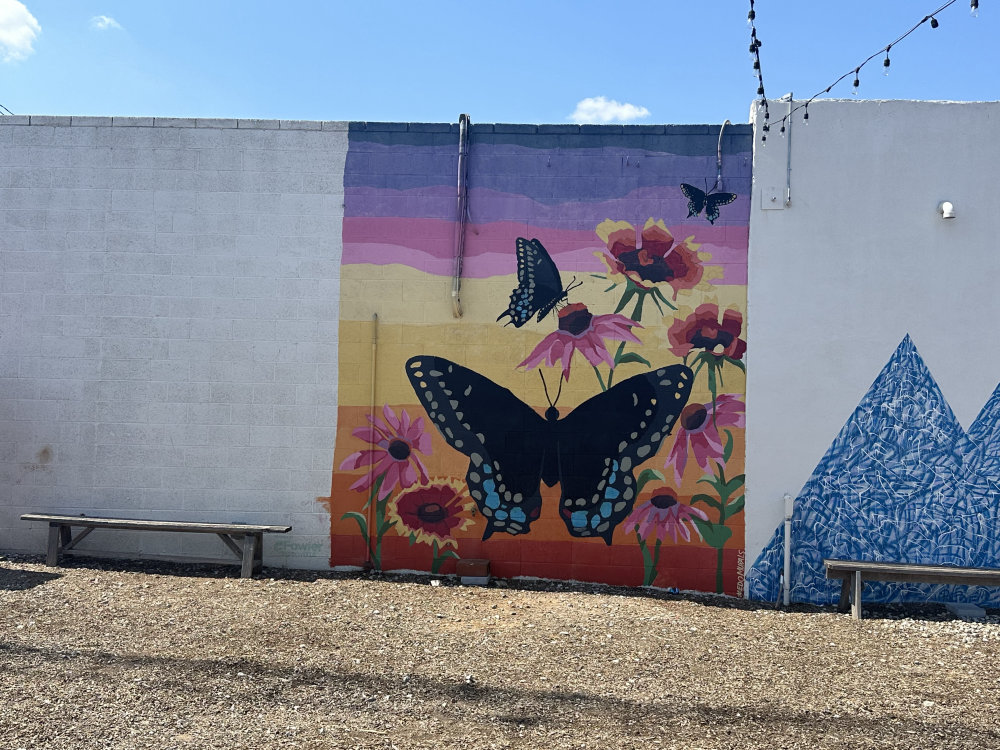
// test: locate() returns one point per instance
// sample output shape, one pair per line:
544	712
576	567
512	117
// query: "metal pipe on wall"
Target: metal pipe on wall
462	212
787	570
371	442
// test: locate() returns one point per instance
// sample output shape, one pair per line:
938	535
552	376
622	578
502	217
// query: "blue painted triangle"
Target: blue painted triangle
902	481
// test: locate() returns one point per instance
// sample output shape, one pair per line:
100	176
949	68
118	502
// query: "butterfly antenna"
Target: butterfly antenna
546	388
573	284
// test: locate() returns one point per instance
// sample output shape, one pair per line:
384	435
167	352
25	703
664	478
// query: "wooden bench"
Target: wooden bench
854	573
245	540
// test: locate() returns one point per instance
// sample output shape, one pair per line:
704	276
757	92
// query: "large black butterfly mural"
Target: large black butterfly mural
539	287
592	452
699	200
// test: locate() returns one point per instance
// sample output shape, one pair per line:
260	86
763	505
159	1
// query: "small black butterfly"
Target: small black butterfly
699	201
592	452
539	287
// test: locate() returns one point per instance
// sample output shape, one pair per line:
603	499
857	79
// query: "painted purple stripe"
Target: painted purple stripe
428	245
485	206
556	175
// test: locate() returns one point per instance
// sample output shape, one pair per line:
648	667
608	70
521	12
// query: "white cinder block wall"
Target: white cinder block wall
168	327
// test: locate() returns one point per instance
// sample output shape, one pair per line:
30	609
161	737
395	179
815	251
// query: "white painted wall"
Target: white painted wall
168	326
859	259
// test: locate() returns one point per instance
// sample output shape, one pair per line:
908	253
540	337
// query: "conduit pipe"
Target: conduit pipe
786	576
462	213
371	442
718	157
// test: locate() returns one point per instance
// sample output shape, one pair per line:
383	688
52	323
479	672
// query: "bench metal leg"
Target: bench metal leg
856	604
249	553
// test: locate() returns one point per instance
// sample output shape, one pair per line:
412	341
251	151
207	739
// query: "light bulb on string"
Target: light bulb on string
857	81
885	62
974	8
805	116
782	131
934	22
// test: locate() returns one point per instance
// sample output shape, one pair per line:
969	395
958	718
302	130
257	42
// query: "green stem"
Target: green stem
599	378
648	564
718	572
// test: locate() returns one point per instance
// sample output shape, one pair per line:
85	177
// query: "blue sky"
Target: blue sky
516	61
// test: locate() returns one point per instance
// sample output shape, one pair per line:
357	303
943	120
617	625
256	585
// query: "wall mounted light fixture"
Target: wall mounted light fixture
946	209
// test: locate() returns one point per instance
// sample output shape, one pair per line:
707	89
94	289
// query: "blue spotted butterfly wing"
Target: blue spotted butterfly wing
539	286
603	440
710	203
504	439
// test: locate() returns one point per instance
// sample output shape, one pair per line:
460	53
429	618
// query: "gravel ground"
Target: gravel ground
141	655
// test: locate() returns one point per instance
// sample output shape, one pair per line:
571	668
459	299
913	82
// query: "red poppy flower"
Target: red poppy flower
703	330
659	260
580	331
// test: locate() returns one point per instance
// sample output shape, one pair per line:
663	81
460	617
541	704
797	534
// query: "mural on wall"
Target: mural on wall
902	481
620	457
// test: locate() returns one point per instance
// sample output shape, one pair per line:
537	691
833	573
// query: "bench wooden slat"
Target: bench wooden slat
140	524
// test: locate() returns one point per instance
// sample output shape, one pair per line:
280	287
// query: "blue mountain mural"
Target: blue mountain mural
902	481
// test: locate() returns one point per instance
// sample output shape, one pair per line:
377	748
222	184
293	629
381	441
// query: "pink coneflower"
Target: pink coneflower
392	455
580	331
698	433
664	515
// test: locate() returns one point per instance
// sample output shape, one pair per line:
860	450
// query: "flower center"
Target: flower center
693	416
399	449
711	336
575	318
431	513
663	501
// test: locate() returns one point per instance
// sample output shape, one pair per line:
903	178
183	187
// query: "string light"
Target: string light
886	63
755	45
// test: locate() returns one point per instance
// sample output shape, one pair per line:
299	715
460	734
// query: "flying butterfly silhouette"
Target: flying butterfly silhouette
592	452
539	287
699	201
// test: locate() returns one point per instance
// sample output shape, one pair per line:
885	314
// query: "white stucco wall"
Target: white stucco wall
859	259
168	326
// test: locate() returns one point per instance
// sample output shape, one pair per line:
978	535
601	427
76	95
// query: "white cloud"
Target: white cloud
599	109
103	23
18	29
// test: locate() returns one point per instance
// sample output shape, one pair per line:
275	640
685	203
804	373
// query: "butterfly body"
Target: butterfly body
591	453
699	201
539	286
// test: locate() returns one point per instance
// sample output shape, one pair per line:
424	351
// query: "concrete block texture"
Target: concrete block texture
170	294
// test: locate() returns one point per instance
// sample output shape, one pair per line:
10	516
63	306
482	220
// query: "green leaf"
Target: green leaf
727	451
656	302
449	554
715	534
734	484
736	362
361	521
637	312
663	299
735	506
645	477
630	292
708	500
618	352
632	357
413	538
